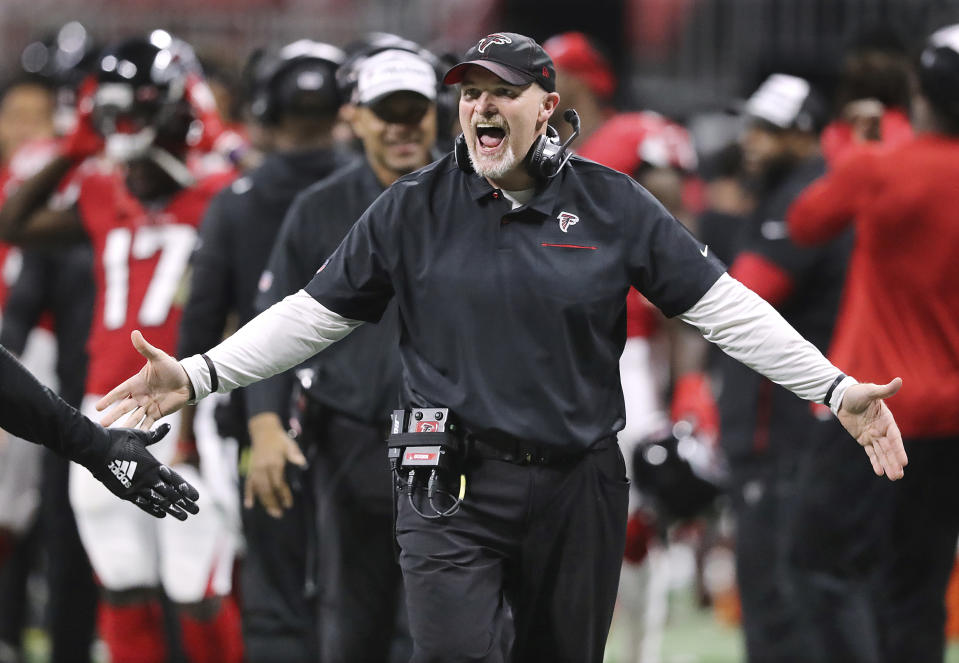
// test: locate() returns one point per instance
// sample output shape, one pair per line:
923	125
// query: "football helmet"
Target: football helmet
680	474
140	103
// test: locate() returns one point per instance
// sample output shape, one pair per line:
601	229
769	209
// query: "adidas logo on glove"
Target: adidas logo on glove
123	470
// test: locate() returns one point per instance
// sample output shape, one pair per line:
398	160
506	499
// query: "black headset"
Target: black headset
546	156
270	91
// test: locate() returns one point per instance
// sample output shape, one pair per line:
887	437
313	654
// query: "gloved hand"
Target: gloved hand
640	533
122	463
693	401
84	141
203	104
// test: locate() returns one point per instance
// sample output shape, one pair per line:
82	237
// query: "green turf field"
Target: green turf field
694	636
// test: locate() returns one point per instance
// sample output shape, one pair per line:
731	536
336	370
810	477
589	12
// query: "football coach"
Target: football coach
510	263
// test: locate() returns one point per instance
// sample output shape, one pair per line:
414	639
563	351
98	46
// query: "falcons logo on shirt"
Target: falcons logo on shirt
489	40
566	220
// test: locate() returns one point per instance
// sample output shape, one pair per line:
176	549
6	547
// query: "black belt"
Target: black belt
523	453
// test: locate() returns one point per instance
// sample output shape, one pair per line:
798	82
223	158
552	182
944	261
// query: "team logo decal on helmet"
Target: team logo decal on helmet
566	220
489	40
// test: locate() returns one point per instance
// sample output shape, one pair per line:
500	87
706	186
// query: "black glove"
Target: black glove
122	463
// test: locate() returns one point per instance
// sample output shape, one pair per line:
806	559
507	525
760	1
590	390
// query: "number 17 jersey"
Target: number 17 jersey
141	255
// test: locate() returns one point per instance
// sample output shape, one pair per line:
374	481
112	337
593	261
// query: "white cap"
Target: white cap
779	100
946	37
394	71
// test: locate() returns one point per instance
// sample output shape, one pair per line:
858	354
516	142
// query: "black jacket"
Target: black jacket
236	236
359	375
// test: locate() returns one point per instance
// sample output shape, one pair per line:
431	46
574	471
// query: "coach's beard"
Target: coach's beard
492	166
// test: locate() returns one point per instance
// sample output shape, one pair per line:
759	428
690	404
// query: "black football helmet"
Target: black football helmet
680	474
140	102
939	70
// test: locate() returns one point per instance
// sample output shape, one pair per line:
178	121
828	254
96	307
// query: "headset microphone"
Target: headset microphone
572	117
562	155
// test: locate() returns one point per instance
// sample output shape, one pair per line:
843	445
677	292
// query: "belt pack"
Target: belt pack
425	437
424	442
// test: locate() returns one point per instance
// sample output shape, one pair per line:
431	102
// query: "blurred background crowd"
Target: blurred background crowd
726	110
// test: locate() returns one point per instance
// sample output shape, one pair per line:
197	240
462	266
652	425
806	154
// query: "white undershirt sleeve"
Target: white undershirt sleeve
281	337
751	331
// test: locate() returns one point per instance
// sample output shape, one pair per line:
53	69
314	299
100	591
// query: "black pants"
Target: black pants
277	591
526	571
874	555
72	611
763	497
360	610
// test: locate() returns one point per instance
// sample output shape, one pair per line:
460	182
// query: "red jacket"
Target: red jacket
900	310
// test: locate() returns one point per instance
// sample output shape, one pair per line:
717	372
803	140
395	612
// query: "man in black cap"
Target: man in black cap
509	264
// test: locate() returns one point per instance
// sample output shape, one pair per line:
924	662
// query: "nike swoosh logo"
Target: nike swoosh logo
705	250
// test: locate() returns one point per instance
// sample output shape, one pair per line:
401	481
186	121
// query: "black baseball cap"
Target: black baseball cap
515	58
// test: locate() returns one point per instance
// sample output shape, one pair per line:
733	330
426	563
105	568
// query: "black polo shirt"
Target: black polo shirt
515	319
359	376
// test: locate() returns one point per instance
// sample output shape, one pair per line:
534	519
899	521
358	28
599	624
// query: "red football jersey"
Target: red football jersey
899	308
141	255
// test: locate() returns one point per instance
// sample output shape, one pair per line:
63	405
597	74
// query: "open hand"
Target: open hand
161	387
870	422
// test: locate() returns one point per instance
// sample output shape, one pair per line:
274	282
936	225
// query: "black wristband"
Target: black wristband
215	380
832	387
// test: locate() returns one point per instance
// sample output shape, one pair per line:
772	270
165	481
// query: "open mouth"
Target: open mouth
490	137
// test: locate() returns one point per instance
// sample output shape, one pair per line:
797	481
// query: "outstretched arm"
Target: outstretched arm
117	457
279	338
748	329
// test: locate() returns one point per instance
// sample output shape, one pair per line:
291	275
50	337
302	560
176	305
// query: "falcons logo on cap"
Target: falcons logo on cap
566	220
489	40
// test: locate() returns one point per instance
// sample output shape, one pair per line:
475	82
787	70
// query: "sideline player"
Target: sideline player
874	574
54	291
142	224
